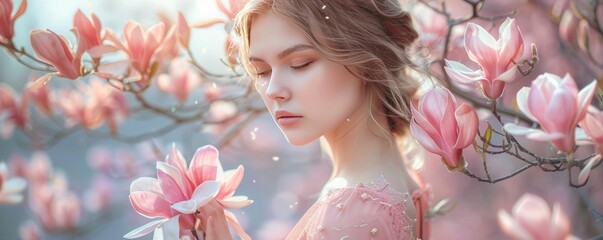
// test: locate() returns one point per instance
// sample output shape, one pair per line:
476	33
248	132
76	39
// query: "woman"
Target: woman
335	70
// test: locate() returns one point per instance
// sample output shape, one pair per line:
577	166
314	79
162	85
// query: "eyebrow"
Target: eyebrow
286	52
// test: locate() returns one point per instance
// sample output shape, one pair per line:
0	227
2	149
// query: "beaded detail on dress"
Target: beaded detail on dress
366	211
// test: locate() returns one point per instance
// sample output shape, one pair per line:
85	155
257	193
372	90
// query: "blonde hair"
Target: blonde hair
372	38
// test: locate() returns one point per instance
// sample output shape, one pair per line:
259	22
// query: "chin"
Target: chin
299	140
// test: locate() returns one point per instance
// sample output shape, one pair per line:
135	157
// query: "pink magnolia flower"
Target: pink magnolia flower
80	108
55	50
177	192
13	113
91	105
541	103
181	80
444	126
532	219
496	58
57	208
433	25
10	189
169	48
89	31
593	127
38	170
112	103
7	22
140	45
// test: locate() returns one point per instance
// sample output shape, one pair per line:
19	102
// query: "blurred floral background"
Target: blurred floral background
85	173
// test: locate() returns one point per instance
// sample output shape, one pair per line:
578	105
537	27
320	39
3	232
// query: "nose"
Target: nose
277	88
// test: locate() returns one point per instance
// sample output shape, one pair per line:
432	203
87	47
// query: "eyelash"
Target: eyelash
300	67
295	68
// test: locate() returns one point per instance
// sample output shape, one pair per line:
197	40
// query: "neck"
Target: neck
360	154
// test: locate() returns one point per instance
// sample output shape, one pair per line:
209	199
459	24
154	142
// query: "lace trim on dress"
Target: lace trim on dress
337	199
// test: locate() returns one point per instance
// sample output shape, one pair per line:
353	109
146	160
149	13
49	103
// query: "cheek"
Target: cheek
334	94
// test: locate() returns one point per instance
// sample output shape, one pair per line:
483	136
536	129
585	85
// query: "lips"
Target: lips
285	114
285	119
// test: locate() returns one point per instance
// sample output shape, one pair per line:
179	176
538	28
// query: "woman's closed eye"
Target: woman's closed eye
294	67
300	67
263	73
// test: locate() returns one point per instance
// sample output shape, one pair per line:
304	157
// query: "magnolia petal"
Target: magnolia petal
114	69
568	83
583	176
175	158
184	31
150	204
168	230
158	234
481	48
170	188
423	123
20	11
434	105
40	82
585	96
112	37
235	202
510	44
468	123
533	214
100	50
144	229
461	73
448	124
538	102
522	102
204	166
232	179
543	136
48	46
146	184
164	83
560	225
424	139
174	173
155	35
234	223
515	129
510	227
563	123
201	196
508	75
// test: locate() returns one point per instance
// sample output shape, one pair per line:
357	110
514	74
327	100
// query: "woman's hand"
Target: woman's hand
213	221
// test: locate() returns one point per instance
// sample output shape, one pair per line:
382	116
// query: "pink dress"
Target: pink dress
363	212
